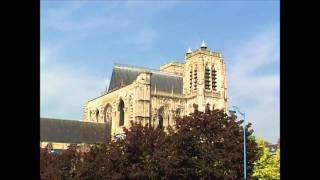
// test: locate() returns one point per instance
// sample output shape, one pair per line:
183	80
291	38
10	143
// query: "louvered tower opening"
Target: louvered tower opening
214	79
195	79
207	78
190	80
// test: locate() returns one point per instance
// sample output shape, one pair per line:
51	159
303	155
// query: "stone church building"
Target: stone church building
156	96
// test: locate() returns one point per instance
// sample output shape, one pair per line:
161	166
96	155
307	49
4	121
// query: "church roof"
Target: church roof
70	131
126	74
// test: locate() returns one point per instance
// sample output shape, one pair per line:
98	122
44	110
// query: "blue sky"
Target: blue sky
81	40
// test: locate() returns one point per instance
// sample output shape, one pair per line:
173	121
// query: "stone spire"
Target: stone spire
203	45
189	51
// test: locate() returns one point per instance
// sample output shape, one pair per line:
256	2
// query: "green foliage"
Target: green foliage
267	167
205	145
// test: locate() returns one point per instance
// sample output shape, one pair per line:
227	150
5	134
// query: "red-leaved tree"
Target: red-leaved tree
203	145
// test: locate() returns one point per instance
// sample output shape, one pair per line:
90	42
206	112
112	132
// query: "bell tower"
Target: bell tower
204	79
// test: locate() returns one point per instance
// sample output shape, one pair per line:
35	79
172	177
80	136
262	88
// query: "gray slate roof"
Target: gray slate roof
70	131
125	75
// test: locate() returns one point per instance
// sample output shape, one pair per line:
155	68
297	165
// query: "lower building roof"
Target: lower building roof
71	131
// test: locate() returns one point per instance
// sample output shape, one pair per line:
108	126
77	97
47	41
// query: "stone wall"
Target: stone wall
204	82
136	99
173	67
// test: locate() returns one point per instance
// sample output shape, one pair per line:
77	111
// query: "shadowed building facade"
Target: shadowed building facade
156	96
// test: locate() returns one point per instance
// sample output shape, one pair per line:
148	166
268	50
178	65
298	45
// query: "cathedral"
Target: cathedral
156	96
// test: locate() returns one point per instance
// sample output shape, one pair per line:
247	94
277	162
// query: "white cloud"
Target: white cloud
110	20
65	9
257	95
155	6
144	39
48	54
66	18
64	88
146	36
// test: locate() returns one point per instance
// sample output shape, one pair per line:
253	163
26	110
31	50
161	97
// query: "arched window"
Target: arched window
195	107
207	107
97	115
160	116
121	112
178	112
107	113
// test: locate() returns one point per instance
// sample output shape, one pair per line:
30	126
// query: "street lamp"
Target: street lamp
244	140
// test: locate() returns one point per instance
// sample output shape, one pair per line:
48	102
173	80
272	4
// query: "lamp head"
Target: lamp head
232	111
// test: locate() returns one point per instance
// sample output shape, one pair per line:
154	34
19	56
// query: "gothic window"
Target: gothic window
97	115
131	107
214	79
107	113
195	78
178	112
121	112
207	106
207	78
160	116
195	107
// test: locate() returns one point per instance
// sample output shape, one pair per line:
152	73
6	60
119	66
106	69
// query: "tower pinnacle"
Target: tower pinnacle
203	45
189	51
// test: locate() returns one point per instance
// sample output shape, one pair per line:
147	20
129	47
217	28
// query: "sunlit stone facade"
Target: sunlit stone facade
156	96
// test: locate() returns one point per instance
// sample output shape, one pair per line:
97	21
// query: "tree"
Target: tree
67	162
210	145
48	170
135	157
95	164
57	167
268	165
203	145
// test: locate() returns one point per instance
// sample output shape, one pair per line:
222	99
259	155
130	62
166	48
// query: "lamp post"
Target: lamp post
244	141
